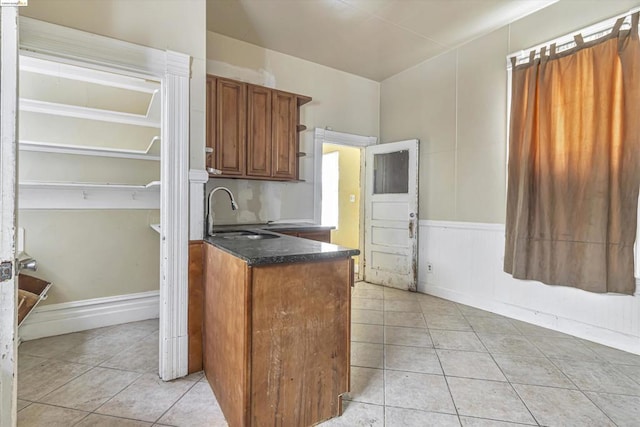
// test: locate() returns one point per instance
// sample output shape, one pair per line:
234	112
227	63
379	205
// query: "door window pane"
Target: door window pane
391	173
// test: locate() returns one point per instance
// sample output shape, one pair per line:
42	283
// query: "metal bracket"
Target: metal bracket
6	271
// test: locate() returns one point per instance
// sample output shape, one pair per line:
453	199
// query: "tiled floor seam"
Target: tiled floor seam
112	397
598	406
455	407
384	366
509	382
63	385
176	401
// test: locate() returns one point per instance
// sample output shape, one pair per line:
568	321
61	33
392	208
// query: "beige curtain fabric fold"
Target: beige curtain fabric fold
574	165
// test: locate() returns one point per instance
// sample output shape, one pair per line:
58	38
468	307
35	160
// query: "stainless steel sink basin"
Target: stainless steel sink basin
245	235
252	237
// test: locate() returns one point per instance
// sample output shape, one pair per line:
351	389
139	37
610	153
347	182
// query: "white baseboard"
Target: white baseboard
466	262
578	329
64	318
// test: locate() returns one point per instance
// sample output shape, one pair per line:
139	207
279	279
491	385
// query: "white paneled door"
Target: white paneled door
8	146
391	214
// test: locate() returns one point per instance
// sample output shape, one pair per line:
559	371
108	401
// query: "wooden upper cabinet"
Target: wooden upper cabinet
252	131
284	135
259	147
231	122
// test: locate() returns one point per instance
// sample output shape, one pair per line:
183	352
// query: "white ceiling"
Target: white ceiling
371	38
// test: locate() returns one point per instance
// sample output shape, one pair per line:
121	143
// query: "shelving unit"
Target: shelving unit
89	98
78	195
46	147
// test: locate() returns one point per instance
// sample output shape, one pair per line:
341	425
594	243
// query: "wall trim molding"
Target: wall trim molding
198	176
198	179
499	228
573	327
463	225
467	268
342	138
76	316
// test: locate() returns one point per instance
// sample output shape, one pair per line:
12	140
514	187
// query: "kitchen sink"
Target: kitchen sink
252	237
245	235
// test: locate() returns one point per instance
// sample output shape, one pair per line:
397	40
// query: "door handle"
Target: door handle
412	225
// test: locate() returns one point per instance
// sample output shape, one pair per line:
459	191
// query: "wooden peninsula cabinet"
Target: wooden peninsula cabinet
276	335
252	131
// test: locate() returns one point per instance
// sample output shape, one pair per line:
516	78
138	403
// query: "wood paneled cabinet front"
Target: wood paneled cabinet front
276	338
227	127
252	131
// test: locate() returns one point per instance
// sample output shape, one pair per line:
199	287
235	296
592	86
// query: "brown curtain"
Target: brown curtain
574	165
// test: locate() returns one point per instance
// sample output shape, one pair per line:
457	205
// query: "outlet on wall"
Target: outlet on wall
429	268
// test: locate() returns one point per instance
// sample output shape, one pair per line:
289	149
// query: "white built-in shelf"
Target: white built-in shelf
46	147
79	195
67	110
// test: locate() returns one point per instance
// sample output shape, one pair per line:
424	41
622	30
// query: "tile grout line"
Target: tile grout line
178	400
446	381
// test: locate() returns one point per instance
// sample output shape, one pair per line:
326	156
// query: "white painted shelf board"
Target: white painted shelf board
68	71
46	147
152	186
82	195
66	110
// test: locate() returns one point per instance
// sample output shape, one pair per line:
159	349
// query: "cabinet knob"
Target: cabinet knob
208	149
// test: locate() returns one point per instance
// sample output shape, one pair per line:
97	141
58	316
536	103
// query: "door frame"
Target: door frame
8	195
51	41
322	136
413	146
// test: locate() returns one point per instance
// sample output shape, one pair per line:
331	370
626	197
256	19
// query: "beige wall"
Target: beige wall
342	101
90	254
348	231
456	105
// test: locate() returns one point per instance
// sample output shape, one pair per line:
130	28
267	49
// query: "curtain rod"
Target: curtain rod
568	39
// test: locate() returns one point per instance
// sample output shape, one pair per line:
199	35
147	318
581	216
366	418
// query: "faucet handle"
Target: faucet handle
214	171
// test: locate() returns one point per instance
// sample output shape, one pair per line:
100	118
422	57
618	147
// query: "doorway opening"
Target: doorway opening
89	188
341	189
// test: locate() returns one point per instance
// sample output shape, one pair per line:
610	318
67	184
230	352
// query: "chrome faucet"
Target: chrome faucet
234	206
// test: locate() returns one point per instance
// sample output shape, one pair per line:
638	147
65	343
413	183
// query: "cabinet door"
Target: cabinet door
211	122
231	121
259	147
284	135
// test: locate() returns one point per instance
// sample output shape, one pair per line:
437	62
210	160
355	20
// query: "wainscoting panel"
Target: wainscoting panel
466	267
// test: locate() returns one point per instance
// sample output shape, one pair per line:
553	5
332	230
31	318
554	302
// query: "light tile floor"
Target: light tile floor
416	360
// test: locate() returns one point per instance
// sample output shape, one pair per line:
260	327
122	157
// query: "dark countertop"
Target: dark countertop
280	250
